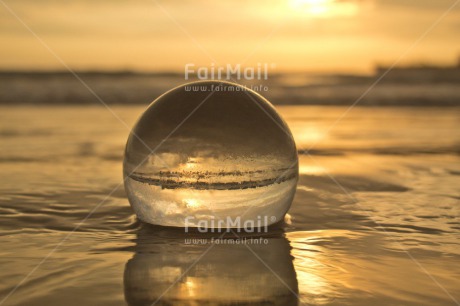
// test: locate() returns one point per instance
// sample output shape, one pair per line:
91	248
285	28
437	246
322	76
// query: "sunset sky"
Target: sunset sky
300	35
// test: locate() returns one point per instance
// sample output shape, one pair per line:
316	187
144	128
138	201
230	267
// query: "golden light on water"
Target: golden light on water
311	170
307	136
190	287
319	276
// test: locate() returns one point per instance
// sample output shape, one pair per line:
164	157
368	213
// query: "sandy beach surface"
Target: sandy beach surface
375	220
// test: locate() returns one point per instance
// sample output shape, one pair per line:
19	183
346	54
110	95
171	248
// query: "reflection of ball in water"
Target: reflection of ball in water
151	275
210	151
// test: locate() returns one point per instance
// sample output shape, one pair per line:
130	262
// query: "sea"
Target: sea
375	219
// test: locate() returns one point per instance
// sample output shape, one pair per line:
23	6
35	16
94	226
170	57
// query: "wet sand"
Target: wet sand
375	220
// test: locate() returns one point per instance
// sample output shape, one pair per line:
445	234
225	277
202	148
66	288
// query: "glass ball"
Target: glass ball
210	154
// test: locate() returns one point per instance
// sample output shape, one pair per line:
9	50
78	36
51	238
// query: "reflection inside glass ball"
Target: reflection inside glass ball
210	151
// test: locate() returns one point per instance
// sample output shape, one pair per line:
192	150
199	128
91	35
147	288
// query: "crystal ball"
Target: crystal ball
210	154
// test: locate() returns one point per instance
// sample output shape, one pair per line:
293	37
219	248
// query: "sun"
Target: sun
314	7
324	8
192	203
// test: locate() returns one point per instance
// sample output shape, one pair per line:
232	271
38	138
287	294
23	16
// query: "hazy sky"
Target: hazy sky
314	35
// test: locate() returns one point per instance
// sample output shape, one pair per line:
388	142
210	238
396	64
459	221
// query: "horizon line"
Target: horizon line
175	72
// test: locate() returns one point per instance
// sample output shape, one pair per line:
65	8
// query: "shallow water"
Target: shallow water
375	220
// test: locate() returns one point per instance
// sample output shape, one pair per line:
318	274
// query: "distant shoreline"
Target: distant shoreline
402	86
378	69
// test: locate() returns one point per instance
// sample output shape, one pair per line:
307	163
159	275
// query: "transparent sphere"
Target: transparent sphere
210	154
